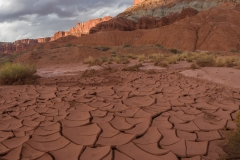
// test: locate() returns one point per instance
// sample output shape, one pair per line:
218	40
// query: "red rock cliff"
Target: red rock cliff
44	40
137	2
81	28
17	45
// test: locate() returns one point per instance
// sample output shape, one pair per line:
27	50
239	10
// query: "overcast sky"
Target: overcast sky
21	19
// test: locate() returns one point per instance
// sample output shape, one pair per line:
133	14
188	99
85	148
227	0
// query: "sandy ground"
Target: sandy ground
226	76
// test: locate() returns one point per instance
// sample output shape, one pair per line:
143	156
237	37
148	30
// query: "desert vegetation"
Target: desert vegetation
102	48
16	73
199	59
233	147
104	59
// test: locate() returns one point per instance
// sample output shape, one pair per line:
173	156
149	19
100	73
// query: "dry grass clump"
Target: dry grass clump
101	60
102	48
119	60
233	147
133	68
205	60
88	60
172	59
89	73
141	58
132	56
16	73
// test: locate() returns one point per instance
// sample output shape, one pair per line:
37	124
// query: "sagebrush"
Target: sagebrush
16	73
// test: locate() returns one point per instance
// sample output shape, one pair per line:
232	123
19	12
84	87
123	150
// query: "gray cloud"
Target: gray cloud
41	18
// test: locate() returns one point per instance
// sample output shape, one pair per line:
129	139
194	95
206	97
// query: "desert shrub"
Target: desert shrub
54	47
162	64
99	61
126	45
102	48
159	45
133	68
175	51
39	47
233	147
187	56
89	73
132	56
205	60
88	60
120	60
220	62
231	61
233	50
68	45
113	53
16	73
172	59
141	58
238	64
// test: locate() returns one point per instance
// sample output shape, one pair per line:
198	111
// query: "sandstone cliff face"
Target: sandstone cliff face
57	35
11	47
81	28
44	40
20	45
26	41
137	2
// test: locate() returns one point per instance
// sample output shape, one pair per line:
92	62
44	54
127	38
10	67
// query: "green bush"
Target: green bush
233	51
159	45
233	147
16	73
102	48
126	45
175	51
68	45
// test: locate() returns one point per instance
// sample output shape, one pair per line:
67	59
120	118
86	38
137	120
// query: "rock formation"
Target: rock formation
216	29
137	2
116	23
20	44
123	24
26	41
44	40
81	28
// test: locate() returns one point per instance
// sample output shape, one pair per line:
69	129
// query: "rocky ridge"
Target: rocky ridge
80	29
21	44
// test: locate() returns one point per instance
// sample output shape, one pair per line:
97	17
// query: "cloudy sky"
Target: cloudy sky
21	19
